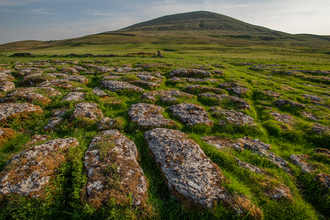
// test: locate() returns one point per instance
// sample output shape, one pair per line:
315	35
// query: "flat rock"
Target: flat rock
249	166
29	172
238	90
324	179
282	117
6	134
151	85
198	88
56	119
229	84
320	129
189	72
87	110
6	77
97	91
80	68
76	78
218	141
189	173
69	70
61	83
148	115
35	139
6	86
282	102
74	97
258	147
233	117
191	114
31	94
193	80
36	79
221	97
165	96
113	171
300	160
12	110
271	93
120	86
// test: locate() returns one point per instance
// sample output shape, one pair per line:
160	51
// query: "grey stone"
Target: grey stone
234	117
76	78
281	102
87	110
166	96
97	91
6	86
190	114
56	119
220	97
238	90
282	117
120	86
324	179
189	72
74	97
300	160
11	110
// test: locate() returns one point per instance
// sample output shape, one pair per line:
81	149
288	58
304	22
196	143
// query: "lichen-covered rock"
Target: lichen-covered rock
256	146
69	70
107	124
320	129
322	151
191	114
233	117
6	86
61	83
194	88
76	78
282	102
313	98
126	69
74	97
36	79
87	110
300	160
189	173
80	68
35	139
193	80
238	90
280	193
145	83
221	97
97	91
282	117
6	77
150	77
218	142
29	172
31	94
56	119
120	86
113	171
324	179
248	166
6	134
105	69
148	115
9	111
230	84
189	72
309	115
271	93
165	96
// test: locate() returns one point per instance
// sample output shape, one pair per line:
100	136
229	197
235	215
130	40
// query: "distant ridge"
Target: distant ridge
201	20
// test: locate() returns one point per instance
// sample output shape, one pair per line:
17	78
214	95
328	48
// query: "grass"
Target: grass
310	200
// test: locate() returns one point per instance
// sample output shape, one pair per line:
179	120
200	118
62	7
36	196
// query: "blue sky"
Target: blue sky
59	19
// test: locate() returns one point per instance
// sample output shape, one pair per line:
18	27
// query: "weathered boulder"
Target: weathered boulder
222	97
324	179
29	172
113	171
6	134
87	110
198	88
191	114
282	117
189	72
120	86
31	94
13	110
148	115
74	97
6	86
165	96
190	174
238	90
300	160
233	117
282	102
56	119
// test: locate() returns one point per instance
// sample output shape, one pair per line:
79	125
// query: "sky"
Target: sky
63	19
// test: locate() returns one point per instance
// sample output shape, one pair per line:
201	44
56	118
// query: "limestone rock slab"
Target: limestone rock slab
120	86
12	110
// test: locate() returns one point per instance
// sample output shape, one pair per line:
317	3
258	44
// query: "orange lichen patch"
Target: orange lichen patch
113	172
6	134
9	111
29	172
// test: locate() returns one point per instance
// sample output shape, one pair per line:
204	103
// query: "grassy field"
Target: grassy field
309	199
